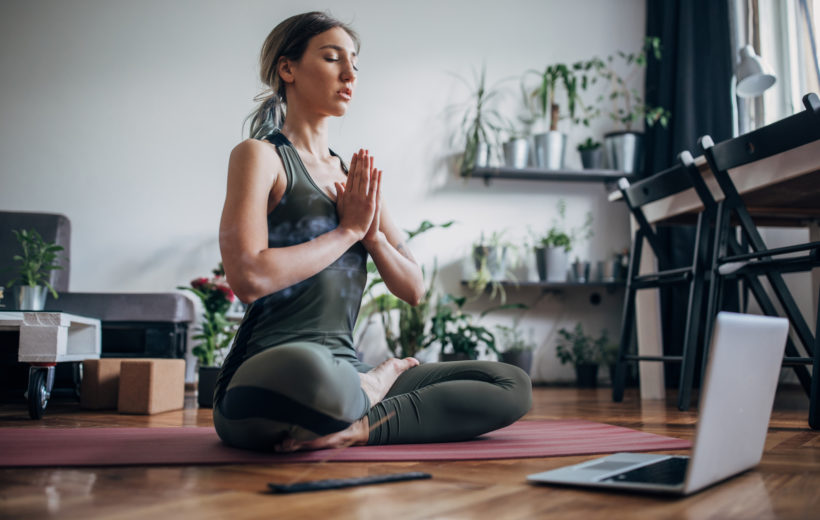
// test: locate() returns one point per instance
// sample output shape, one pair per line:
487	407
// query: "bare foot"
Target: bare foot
378	381
354	435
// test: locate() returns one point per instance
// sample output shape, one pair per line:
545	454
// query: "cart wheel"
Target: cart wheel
38	394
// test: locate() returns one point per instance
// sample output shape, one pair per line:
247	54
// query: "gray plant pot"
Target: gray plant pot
586	376
206	385
32	298
520	358
517	153
552	264
592	159
580	271
496	260
455	356
624	151
482	155
549	150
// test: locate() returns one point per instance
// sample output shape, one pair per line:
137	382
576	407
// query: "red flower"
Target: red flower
199	283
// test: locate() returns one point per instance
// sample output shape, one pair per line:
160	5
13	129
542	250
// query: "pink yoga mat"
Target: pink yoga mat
197	445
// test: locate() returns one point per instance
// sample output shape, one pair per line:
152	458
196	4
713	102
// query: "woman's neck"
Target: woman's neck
309	136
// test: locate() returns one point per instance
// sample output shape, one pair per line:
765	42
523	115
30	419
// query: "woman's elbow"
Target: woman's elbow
244	288
417	295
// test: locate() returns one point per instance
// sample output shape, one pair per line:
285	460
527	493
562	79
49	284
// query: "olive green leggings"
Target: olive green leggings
301	390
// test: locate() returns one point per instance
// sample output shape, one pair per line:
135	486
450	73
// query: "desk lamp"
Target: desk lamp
750	79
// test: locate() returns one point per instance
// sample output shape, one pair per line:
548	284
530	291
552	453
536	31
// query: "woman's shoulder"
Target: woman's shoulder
256	152
254	148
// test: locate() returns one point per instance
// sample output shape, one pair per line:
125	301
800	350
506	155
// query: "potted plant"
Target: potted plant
36	263
405	326
215	331
543	105
480	122
624	146
552	248
457	334
516	148
515	348
491	257
592	156
584	352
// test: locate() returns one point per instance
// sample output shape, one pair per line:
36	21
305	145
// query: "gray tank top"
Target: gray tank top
321	309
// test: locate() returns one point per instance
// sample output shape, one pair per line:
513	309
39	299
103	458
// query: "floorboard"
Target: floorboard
784	485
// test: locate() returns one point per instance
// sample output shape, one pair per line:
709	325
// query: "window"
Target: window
784	34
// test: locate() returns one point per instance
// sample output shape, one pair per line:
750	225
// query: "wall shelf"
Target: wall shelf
539	174
610	287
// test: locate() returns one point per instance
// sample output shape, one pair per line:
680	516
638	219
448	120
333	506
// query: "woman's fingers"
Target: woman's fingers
364	170
340	191
373	190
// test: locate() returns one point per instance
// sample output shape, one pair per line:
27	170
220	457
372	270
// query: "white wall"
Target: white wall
122	114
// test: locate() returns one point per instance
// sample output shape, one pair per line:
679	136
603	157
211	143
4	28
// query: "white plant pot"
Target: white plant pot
557	264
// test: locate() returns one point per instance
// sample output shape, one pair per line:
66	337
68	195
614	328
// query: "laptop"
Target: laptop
735	407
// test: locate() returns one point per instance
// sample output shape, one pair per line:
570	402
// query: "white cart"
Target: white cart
48	338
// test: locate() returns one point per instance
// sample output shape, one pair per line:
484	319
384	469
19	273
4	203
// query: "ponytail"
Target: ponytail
268	116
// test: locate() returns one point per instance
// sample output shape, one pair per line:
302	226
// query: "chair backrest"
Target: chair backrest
780	136
663	184
52	227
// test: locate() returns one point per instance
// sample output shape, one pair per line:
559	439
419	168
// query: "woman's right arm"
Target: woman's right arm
252	268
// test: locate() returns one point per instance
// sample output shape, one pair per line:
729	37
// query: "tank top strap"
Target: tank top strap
294	168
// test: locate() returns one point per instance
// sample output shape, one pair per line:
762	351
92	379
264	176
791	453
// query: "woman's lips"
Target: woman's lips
345	94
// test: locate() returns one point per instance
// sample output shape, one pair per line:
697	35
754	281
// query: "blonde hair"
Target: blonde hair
288	40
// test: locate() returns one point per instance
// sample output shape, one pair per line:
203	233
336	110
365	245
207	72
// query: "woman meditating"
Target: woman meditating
296	230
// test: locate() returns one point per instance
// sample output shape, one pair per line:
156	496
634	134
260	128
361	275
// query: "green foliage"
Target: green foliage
480	120
581	349
511	339
542	101
37	261
627	104
589	144
491	255
559	235
456	330
216	332
397	315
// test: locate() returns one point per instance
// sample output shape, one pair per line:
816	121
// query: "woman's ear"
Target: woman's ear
284	67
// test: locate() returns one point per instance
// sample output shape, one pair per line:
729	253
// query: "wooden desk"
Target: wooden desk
781	190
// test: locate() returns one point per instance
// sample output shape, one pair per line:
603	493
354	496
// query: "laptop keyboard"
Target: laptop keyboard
666	471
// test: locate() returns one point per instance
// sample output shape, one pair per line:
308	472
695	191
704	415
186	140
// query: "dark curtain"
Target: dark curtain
692	80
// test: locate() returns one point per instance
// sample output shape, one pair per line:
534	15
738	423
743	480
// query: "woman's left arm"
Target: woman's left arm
388	248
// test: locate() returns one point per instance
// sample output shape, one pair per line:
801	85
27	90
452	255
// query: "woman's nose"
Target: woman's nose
349	73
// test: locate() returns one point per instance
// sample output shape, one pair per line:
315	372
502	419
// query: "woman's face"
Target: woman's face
324	79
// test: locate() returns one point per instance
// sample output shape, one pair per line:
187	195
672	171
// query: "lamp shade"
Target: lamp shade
752	78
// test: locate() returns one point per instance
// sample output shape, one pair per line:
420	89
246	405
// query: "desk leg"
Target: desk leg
648	325
814	236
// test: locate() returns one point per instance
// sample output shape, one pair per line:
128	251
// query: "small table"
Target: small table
48	338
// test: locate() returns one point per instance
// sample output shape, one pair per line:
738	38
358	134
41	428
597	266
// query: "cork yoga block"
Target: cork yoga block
149	386
99	389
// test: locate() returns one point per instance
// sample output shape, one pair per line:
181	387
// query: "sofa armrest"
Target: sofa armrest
137	307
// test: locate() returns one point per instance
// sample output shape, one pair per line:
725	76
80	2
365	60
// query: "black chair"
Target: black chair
678	178
748	258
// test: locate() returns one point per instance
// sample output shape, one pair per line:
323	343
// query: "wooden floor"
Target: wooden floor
784	485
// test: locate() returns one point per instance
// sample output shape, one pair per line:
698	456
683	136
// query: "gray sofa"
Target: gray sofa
133	324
